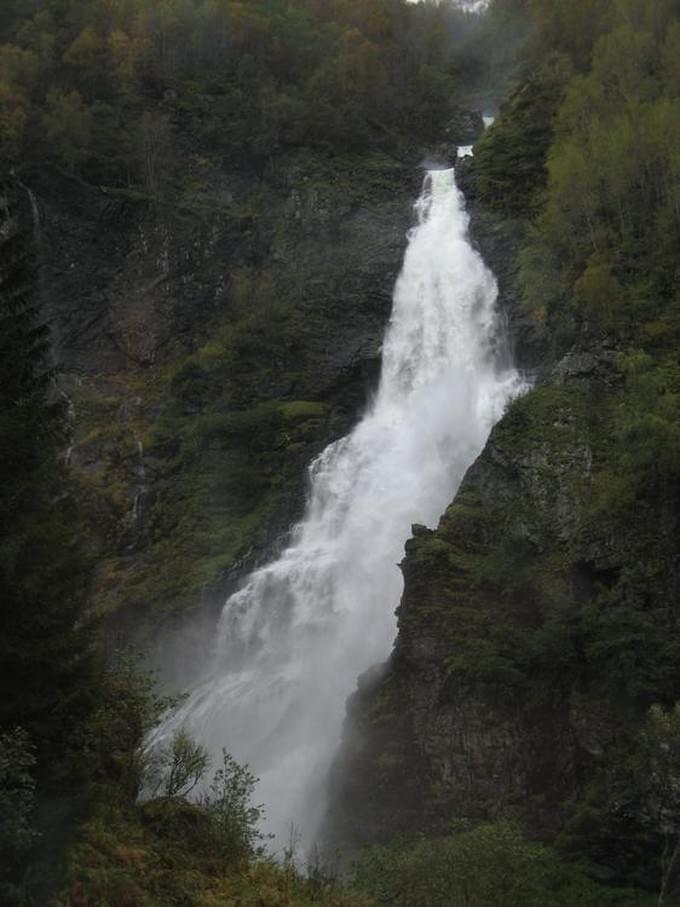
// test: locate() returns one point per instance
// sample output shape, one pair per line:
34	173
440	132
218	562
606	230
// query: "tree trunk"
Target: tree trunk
667	872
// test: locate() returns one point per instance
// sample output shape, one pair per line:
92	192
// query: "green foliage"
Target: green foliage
490	56
128	707
47	671
568	26
164	848
658	762
635	802
597	292
66	125
257	77
510	158
45	664
17	806
534	605
181	766
234	819
161	855
602	251
483	866
656	779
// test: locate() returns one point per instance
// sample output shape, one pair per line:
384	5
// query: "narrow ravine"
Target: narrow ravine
291	643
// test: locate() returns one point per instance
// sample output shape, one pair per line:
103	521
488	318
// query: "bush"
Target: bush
17	796
235	820
487	866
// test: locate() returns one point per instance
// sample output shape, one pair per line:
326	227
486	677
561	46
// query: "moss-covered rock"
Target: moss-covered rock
537	625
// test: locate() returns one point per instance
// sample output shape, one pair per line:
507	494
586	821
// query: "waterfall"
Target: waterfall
473	6
291	643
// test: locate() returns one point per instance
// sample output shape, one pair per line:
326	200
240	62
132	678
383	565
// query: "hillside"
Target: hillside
204	208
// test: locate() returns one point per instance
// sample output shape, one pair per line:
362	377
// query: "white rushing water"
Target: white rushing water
468	6
473	6
291	643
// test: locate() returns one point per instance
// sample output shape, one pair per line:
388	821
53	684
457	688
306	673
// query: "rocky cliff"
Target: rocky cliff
211	340
537	621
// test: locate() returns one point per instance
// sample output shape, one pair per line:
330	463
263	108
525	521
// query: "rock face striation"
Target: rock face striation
528	617
211	340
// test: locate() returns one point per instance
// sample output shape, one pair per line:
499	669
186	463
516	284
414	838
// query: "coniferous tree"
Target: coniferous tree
45	661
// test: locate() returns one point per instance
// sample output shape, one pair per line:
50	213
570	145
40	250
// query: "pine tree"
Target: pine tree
45	659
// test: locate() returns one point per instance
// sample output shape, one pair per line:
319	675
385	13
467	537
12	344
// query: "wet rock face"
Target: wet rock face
132	284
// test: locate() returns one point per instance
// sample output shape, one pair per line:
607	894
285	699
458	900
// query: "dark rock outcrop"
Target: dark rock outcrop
534	623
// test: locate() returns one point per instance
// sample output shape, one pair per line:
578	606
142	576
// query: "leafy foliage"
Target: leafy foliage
183	765
487	866
510	158
235	820
17	806
657	778
597	226
333	74
600	256
128	707
165	848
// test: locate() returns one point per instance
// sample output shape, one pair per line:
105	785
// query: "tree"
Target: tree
13	119
671	60
598	294
46	663
67	126
154	151
17	805
181	766
128	707
490	865
657	763
511	157
235	820
45	657
569	26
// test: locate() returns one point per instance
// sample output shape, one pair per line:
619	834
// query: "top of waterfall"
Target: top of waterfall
468	6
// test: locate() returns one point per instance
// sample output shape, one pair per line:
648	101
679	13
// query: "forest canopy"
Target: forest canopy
95	87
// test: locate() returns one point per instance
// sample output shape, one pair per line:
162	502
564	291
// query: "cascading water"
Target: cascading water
292	641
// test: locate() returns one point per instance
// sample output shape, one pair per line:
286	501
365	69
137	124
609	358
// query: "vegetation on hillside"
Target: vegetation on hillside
96	88
593	172
47	668
482	865
585	157
174	845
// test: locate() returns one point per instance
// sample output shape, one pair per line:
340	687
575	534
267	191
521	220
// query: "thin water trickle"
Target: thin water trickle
292	641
